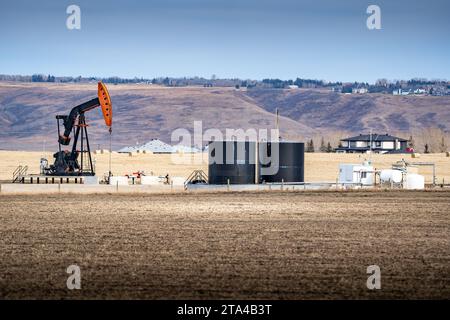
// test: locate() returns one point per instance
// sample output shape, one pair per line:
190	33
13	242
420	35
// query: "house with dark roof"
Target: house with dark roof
378	143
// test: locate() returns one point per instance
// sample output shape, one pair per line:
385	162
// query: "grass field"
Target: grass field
319	167
291	245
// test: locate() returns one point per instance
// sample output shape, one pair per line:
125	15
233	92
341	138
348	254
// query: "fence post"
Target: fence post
282	184
228	184
117	186
434	175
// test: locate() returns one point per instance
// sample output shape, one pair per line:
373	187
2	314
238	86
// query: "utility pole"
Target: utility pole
277	123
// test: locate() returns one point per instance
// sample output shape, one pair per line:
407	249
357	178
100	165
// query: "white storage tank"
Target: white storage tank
391	175
118	180
178	181
90	180
150	180
415	181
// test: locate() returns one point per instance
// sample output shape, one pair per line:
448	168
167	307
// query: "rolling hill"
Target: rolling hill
143	112
325	111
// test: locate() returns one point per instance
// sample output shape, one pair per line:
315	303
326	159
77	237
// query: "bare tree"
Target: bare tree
411	142
443	145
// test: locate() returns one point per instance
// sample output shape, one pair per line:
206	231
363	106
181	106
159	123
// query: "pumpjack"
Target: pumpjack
78	162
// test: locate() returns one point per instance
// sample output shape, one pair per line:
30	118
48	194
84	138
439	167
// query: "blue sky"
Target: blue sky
319	39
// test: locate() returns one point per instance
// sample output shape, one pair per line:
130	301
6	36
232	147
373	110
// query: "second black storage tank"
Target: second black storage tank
281	161
231	161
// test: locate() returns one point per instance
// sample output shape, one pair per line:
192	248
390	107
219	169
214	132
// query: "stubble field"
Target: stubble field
281	245
319	167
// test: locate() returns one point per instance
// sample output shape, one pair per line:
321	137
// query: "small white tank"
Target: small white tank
415	181
178	181
150	180
118	180
391	175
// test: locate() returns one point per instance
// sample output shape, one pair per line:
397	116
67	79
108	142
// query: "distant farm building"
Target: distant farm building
359	90
373	142
400	92
417	92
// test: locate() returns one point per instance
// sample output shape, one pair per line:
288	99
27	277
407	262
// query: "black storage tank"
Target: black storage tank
233	161
281	161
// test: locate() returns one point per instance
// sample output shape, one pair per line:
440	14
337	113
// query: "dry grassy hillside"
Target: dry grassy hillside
143	112
27	113
319	167
326	110
334	114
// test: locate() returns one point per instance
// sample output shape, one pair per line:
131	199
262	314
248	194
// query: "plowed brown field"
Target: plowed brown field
289	245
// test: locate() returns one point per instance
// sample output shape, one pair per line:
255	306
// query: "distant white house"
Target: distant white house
401	92
378	143
420	91
359	90
292	86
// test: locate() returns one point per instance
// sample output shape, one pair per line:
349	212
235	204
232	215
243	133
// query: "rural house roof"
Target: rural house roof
375	137
157	146
154	145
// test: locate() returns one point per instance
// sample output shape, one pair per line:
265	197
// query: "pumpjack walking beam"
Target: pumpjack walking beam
66	163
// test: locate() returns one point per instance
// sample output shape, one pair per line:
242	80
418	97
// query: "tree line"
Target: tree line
324	147
381	85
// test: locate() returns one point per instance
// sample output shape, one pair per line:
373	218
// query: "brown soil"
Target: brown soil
280	245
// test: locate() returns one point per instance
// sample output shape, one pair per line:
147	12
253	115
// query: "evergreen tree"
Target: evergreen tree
37	78
310	146
323	148
427	149
329	147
